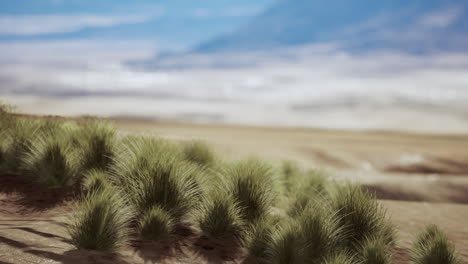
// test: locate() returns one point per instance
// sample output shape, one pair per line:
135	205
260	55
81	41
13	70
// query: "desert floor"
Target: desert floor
419	178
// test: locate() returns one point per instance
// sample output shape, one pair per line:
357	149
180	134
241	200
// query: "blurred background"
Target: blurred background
339	64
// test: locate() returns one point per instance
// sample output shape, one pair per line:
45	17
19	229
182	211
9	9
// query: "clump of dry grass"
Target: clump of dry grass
156	224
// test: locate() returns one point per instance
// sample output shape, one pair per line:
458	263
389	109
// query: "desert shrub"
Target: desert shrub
258	236
321	233
94	181
52	162
375	250
156	224
219	216
361	217
287	244
101	221
170	184
433	247
199	153
97	144
251	185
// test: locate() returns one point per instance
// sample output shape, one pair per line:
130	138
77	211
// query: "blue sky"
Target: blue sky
168	24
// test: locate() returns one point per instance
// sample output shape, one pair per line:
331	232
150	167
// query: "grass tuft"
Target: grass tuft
375	251
95	181
156	225
361	217
52	162
259	236
101	221
220	217
287	244
251	185
321	232
97	143
307	189
433	247
199	153
341	258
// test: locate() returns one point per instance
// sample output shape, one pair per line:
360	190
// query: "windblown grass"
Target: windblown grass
287	244
220	216
361	217
199	153
433	247
307	188
258	236
97	144
341	258
172	185
375	251
252	187
17	143
156	224
101	221
321	232
95	181
52	162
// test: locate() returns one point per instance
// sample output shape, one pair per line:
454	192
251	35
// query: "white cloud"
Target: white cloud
50	24
441	19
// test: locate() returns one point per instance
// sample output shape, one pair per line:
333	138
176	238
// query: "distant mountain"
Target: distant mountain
413	26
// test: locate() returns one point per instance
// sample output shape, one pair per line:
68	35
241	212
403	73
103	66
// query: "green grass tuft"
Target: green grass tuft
199	153
258	236
320	231
287	244
97	144
95	181
307	189
101	221
251	185
375	251
219	216
156	225
361	217
341	258
52	162
433	247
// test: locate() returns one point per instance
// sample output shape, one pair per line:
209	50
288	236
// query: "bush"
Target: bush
361	217
95	181
220	217
156	225
199	153
97	144
251	185
375	251
433	247
101	221
51	162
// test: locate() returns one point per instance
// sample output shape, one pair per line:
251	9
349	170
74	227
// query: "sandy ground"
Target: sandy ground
420	179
